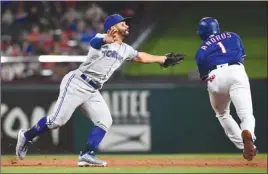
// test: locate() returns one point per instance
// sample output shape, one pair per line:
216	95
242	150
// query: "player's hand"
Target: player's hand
110	36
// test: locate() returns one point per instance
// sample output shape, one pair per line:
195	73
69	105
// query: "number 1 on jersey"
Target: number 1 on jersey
223	50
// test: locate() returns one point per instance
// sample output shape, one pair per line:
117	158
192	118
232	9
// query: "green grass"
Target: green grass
255	62
137	169
129	170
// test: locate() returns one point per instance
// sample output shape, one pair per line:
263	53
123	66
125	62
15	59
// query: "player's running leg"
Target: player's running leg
241	97
97	110
221	105
67	102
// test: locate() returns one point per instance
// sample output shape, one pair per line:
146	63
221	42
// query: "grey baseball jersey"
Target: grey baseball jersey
100	64
77	92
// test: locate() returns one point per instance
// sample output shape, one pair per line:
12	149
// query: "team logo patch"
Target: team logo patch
211	78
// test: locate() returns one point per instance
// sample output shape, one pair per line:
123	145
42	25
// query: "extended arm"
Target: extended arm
148	58
169	59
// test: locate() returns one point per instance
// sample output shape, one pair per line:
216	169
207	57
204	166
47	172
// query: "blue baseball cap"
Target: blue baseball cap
114	19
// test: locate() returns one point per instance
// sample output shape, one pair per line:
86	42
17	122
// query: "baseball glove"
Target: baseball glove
172	59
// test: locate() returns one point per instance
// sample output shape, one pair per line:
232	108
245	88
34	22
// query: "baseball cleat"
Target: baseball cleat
254	154
249	151
22	145
89	160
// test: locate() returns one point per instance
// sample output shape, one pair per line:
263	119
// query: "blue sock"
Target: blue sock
94	139
38	129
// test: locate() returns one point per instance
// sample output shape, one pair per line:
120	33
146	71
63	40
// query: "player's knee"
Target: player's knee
223	115
105	124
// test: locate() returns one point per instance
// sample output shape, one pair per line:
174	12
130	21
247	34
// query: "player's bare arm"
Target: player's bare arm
169	59
148	58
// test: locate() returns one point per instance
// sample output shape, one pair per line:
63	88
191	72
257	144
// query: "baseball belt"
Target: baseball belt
91	82
227	64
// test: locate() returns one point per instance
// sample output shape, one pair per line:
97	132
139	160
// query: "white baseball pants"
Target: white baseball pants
231	84
74	93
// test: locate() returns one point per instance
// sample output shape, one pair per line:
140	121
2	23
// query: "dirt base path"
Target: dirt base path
141	162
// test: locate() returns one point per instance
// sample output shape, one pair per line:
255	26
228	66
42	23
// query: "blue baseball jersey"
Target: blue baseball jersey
225	47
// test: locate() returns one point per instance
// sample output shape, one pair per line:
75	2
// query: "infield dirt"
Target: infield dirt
49	161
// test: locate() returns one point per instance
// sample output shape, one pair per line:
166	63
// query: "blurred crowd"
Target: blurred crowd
33	28
52	28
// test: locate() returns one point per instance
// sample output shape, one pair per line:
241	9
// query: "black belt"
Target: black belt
229	64
92	83
215	67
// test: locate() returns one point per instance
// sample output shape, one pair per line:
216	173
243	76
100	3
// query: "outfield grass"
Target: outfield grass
255	62
161	169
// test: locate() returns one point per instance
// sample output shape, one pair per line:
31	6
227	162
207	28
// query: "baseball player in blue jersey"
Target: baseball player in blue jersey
220	61
80	88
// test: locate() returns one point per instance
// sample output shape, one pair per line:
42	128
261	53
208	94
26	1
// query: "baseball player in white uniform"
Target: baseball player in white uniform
80	88
220	61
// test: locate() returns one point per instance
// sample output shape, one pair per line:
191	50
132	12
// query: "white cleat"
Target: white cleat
22	145
89	160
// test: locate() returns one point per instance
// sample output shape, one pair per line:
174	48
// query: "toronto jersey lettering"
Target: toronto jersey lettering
101	63
225	47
